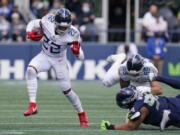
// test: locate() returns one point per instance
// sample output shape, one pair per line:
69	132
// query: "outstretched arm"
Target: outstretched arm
131	125
171	82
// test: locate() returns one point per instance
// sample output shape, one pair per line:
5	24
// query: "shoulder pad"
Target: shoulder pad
151	67
122	70
49	18
123	73
74	33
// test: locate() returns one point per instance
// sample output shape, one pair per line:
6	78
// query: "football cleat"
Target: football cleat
83	119
32	109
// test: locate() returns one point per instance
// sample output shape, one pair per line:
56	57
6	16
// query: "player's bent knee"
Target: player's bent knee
31	73
65	85
66	91
106	83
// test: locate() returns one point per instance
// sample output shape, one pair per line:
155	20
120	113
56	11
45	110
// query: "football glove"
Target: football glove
35	35
75	47
106	125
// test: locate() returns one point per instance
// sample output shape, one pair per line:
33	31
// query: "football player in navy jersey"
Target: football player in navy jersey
146	108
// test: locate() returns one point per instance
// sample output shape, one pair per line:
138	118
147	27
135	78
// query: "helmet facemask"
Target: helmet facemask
135	66
60	28
62	21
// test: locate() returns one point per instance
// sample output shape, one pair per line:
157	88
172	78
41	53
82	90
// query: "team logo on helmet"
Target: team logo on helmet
126	97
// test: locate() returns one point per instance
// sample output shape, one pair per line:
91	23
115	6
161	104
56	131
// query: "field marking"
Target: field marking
13	132
110	105
84	130
56	130
65	117
45	123
58	111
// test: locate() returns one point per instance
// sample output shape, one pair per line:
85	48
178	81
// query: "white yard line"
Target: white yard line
94	105
13	132
63	117
45	123
54	111
58	130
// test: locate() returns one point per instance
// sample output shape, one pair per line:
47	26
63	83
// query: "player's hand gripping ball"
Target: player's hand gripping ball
35	35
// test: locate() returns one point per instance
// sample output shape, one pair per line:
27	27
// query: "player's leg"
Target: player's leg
62	73
112	75
175	112
172	114
38	64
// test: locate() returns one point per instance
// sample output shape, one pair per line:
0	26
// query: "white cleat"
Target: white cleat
165	119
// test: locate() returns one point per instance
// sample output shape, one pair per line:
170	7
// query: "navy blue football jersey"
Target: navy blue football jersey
156	105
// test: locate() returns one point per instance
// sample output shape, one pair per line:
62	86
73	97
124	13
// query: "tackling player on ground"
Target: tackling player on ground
146	108
58	34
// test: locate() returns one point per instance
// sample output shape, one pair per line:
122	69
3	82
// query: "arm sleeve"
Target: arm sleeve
171	82
81	54
34	24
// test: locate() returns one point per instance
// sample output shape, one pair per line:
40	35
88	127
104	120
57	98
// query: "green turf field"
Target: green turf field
56	115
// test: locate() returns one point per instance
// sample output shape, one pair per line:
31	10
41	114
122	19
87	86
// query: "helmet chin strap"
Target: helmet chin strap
60	32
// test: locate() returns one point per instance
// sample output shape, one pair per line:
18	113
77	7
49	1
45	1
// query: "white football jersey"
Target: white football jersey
56	45
142	79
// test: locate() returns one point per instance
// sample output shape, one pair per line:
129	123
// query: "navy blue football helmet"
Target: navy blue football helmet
62	20
135	64
126	97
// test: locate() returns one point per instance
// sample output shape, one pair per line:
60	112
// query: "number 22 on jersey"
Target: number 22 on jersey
54	48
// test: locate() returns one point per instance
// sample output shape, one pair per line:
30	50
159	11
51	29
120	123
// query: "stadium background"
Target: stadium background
116	23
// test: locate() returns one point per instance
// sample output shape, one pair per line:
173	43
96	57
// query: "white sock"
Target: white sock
74	99
31	81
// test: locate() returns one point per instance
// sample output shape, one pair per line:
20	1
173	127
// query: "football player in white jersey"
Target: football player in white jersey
58	34
136	71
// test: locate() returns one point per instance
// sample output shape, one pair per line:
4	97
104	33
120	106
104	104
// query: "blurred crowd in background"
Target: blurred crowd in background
156	22
13	25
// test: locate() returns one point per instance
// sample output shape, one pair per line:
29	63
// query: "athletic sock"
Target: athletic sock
74	99
31	81
32	89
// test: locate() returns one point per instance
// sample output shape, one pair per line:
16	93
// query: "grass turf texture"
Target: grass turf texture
56	115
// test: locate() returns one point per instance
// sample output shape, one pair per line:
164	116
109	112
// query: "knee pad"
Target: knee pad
67	91
65	85
31	73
